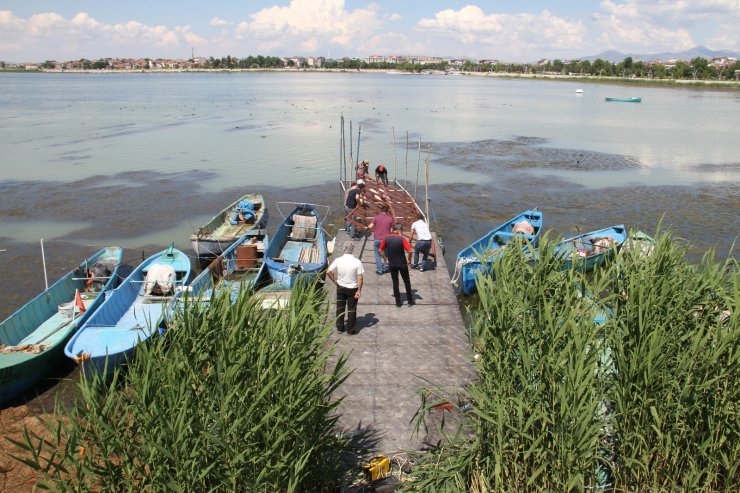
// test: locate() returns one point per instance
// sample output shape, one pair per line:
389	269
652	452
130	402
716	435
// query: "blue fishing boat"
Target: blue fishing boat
32	339
240	267
623	100
587	251
130	314
478	257
298	248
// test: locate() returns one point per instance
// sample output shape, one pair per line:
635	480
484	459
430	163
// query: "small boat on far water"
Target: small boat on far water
624	100
579	91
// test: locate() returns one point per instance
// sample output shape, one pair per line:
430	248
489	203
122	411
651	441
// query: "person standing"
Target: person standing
393	248
346	272
420	228
381	227
381	174
353	199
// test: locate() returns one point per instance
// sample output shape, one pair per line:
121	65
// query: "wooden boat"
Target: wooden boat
226	227
33	338
624	100
298	248
479	256
589	250
240	267
130	314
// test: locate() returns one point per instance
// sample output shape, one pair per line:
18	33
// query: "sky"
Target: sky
506	30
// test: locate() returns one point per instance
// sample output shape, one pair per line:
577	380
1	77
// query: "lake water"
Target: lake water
140	159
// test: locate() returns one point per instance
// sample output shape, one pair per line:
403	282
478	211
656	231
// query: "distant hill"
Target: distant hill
697	51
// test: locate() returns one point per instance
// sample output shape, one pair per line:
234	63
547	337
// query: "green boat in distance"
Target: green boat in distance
623	100
32	339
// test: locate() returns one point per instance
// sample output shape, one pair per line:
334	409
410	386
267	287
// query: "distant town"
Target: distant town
722	68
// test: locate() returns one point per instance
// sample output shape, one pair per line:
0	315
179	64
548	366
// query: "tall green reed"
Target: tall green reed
232	399
647	401
535	419
676	387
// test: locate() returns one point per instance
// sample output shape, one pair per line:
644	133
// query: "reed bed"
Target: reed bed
631	390
232	399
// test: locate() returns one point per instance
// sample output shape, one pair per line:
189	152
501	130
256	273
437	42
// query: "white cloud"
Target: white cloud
51	36
220	22
503	35
646	25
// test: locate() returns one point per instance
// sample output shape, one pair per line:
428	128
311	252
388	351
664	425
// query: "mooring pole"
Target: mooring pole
418	165
43	262
426	181
351	156
359	133
395	164
406	180
341	145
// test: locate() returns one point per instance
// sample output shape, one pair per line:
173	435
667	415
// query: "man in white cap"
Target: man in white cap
346	272
354	199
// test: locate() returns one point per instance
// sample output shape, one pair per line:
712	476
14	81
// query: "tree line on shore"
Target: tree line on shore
698	68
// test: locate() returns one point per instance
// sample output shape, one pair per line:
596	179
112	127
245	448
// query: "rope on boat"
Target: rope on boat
24	348
461	262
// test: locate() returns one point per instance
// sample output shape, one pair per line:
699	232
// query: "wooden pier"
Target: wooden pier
398	350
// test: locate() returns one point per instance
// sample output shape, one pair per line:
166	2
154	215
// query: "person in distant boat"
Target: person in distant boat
353	199
381	227
381	174
346	272
420	228
393	248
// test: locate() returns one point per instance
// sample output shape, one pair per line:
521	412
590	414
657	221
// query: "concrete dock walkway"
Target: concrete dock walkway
397	351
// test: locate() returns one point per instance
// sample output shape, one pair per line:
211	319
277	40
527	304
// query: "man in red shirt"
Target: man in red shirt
381	174
393	248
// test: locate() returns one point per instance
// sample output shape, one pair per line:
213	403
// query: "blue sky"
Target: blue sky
524	31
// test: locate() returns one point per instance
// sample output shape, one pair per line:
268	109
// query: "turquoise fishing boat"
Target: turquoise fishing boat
587	251
32	339
130	314
297	250
248	213
477	258
240	267
623	100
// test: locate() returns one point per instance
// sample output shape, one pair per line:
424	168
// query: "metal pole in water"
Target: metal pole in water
359	134
351	158
395	165
406	179
426	181
418	165
43	261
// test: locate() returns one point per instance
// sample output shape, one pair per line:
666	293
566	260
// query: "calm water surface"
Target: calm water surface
141	159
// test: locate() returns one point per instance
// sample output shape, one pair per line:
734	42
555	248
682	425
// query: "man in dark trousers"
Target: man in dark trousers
346	272
393	248
353	199
381	227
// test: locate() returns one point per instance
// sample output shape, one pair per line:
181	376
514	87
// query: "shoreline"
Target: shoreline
718	84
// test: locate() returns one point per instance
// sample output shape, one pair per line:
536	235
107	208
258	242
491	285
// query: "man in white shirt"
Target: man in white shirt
423	242
346	272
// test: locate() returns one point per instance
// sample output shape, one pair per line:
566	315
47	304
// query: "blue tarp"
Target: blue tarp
246	208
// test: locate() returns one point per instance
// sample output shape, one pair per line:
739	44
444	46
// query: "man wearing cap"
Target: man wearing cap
393	248
354	198
346	272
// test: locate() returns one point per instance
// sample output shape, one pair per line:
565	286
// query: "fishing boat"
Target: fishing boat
239	218
587	251
639	242
478	257
130	314
298	248
240	267
624	100
32	339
